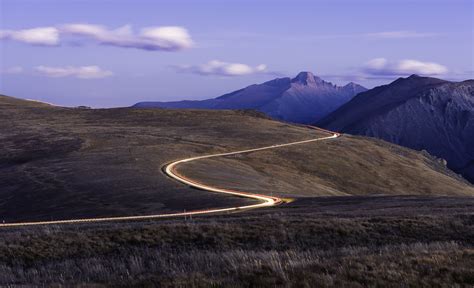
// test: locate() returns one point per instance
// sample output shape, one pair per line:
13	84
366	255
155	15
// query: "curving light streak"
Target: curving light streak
170	170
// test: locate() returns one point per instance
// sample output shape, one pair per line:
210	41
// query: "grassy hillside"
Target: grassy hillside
58	163
63	162
332	241
349	165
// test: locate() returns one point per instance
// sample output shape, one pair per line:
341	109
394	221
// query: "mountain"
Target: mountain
303	99
417	112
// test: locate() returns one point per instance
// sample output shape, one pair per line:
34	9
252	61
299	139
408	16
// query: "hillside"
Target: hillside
346	166
303	99
61	163
351	241
421	113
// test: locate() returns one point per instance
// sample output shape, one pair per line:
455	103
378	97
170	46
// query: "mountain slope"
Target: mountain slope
418	112
63	163
303	99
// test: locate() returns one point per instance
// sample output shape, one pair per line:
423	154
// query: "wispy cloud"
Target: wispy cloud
170	38
383	67
167	38
12	70
47	36
400	34
220	68
83	72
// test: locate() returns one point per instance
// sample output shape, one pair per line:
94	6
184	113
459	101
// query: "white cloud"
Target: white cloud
168	38
37	36
381	66
83	72
13	70
216	67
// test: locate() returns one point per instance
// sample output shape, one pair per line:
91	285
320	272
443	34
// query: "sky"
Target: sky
103	53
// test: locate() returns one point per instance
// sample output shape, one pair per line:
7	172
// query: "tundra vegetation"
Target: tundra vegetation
353	219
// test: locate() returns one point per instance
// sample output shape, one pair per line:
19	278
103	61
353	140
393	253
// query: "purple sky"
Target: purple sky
117	53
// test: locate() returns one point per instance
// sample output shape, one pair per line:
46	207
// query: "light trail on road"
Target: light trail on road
170	170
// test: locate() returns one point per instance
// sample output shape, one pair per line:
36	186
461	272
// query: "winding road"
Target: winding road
170	170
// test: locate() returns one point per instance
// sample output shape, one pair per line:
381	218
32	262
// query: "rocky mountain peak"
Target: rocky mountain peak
306	78
351	85
303	99
413	76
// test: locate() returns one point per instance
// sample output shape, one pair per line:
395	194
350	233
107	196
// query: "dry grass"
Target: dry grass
345	166
420	265
65	163
364	242
62	163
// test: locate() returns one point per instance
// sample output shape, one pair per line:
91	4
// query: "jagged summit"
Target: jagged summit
306	78
302	99
351	84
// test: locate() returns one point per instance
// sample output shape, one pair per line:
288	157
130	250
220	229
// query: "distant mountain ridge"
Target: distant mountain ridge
422	113
303	99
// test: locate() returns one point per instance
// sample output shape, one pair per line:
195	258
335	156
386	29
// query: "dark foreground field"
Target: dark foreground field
389	241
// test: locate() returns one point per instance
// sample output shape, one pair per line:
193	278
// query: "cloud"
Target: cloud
13	70
83	72
47	36
220	68
381	35
400	34
167	38
383	67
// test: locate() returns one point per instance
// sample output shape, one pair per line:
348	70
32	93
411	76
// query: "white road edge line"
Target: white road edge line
170	170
